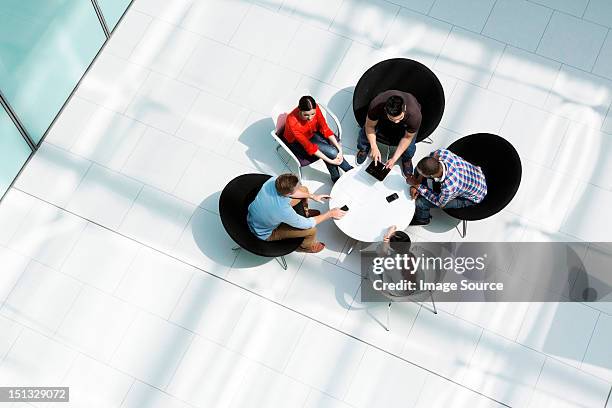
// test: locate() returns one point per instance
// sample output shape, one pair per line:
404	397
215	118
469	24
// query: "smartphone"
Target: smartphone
392	197
344	208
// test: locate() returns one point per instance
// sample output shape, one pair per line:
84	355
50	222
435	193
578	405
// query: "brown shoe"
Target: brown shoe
312	213
315	248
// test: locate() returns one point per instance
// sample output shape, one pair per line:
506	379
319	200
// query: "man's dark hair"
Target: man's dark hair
400	242
394	106
307	103
428	166
285	183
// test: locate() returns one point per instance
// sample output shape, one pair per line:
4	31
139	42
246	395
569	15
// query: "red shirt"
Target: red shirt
301	131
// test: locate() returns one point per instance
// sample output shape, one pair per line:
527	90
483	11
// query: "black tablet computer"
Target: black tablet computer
378	171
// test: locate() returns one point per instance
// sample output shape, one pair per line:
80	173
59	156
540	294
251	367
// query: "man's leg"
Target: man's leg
422	213
285	231
407	167
459	203
363	147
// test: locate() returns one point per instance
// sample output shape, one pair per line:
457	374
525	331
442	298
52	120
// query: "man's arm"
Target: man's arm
370	131
439	200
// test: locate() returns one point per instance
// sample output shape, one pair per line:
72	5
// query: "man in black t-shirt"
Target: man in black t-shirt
395	117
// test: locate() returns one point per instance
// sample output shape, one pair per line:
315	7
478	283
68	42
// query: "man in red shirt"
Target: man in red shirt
307	134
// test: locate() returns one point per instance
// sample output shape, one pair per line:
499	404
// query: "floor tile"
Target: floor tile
164	48
599	11
503	318
534	133
469	56
196	248
13	265
333	287
41	298
598	360
143	394
318	399
365	21
67	168
588	199
319	13
151	350
162	102
560	384
14	209
572	41
545	197
213	123
35	360
47	234
104	196
524	76
422	6
417	37
262	85
67	127
440	393
464	111
216	19
112	82
264	33
157	218
585	147
267	333
471	14
602	66
217	78
337	100
580	96
380	380
518	23
326	360
95	385
128	34
430	335
153	149
574	7
108	138
592	284
561	330
357	60
155	282
224	371
173	12
210	307
96	323
264	276
504	370
320	62
266	388
11	330
89	260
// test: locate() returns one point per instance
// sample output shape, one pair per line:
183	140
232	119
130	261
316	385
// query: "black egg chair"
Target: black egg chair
501	165
404	75
233	208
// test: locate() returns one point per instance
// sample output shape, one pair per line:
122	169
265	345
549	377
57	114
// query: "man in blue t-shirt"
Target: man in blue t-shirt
271	215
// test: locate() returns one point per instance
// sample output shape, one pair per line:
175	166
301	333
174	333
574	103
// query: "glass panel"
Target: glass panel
112	11
45	47
14	151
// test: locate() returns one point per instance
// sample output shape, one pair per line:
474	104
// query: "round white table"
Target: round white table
370	215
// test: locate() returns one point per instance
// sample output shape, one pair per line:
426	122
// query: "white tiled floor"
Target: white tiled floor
119	281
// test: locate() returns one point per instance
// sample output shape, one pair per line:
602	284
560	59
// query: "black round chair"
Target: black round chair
501	165
404	75
233	208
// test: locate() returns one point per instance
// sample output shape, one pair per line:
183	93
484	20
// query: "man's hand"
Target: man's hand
375	154
414	180
390	163
337	213
320	197
414	193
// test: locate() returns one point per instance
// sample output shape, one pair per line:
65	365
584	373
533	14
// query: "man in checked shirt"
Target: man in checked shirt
461	184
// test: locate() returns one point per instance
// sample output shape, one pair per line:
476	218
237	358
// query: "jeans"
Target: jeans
364	144
331	152
423	206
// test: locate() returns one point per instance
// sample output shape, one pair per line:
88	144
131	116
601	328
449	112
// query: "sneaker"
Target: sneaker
361	156
312	213
315	248
416	221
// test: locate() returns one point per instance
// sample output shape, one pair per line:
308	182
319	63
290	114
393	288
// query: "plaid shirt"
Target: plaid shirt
461	179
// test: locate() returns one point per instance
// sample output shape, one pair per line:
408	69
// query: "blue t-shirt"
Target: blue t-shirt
270	209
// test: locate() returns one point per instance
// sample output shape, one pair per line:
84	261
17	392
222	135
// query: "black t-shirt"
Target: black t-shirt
395	131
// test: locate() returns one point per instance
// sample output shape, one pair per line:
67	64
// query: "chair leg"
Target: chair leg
299	173
279	154
427	140
388	316
281	260
354	243
464	228
433	303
